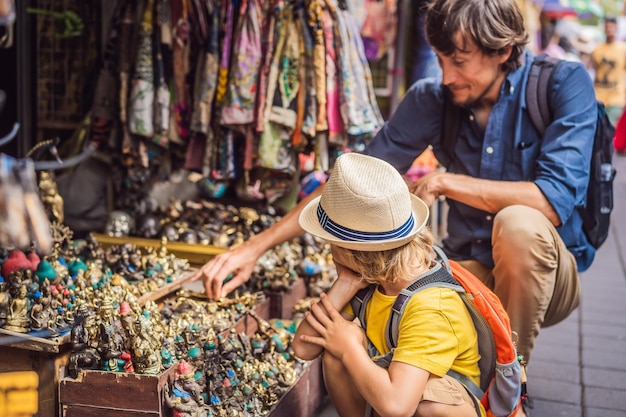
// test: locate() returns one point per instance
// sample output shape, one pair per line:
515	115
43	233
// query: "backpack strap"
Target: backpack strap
438	276
537	97
359	301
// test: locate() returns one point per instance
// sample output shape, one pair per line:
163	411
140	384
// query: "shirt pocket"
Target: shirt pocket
520	162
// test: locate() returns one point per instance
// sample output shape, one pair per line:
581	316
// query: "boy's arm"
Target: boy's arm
343	289
393	391
339	296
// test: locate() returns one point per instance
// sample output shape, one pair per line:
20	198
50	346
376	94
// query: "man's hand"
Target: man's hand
429	187
236	264
337	335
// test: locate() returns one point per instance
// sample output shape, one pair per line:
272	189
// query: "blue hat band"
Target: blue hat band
351	235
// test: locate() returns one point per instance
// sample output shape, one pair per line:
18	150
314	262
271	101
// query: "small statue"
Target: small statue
110	342
37	313
18	320
50	197
185	398
5	302
147	348
84	354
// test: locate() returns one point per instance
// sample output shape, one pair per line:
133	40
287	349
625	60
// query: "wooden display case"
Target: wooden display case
113	394
305	397
45	360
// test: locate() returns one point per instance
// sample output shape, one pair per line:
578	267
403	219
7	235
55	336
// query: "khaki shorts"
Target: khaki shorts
449	391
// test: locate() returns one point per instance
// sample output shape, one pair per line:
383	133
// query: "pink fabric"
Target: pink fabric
335	122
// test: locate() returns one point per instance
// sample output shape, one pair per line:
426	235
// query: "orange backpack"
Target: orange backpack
502	387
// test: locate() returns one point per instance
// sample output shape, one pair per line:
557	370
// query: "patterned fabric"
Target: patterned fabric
319	63
335	121
359	115
238	107
206	78
222	80
141	104
162	102
180	57
268	50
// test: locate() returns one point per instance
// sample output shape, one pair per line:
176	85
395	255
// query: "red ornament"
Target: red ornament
16	261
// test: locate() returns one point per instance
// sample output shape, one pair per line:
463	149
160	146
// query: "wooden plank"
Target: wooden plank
305	396
127	391
75	410
167	289
197	255
29	341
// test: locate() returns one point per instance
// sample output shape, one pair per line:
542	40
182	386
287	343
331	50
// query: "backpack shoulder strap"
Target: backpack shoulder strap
438	276
359	301
537	97
450	125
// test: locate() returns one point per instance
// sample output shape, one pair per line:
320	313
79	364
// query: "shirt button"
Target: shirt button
488	218
489	150
479	241
511	90
471	117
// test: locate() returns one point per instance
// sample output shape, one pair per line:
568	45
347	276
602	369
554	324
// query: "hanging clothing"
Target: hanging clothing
238	105
141	105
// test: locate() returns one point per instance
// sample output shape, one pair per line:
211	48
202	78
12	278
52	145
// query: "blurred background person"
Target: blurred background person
609	62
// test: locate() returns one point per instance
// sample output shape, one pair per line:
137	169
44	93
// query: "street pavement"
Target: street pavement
578	367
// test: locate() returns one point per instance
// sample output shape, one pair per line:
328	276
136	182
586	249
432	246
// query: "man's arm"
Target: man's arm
240	261
487	195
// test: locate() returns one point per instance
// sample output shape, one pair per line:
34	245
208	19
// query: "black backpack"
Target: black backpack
598	206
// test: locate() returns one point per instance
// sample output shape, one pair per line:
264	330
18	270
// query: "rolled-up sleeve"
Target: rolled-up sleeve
563	165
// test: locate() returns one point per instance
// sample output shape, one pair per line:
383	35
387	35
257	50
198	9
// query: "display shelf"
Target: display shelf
197	255
30	341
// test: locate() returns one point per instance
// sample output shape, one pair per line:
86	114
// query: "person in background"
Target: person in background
425	60
609	61
585	46
377	234
571	54
512	195
552	46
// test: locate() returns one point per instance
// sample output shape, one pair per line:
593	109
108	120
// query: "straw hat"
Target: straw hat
366	206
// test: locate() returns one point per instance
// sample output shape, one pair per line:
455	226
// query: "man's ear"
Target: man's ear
505	53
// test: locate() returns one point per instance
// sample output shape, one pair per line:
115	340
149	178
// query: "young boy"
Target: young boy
377	232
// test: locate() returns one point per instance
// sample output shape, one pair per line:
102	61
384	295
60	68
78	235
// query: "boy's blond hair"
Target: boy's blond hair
389	265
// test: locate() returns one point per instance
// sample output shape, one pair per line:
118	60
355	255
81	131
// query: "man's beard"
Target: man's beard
470	102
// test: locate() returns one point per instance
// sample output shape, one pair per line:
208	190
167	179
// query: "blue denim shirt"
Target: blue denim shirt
509	149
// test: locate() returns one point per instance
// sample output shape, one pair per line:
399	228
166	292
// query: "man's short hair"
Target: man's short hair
492	25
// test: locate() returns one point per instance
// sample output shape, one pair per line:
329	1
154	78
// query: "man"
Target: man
609	61
512	194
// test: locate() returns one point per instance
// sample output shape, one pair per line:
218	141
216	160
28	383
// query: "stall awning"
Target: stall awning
557	9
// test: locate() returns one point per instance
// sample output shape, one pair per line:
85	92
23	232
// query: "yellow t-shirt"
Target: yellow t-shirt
609	61
435	333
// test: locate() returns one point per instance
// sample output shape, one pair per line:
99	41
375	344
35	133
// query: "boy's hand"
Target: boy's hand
338	336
